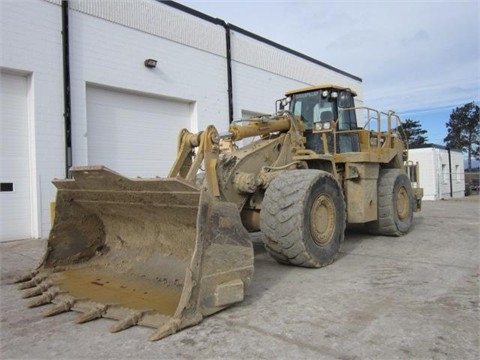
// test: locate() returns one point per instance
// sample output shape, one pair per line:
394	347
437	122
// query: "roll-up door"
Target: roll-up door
15	188
133	134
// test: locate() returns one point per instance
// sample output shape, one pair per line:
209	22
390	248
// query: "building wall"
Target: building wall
31	45
109	41
183	73
262	74
435	172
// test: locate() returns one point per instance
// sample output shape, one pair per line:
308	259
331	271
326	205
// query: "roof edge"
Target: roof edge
252	35
434	146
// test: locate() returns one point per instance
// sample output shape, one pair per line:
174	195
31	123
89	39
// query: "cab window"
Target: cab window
311	107
347	119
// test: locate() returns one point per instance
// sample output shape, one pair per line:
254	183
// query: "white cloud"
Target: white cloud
410	54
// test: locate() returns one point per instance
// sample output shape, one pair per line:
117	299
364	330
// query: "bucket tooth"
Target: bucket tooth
173	325
31	283
64	306
37	290
128	322
46	298
91	315
24	277
163	331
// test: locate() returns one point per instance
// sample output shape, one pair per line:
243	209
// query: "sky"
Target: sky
420	58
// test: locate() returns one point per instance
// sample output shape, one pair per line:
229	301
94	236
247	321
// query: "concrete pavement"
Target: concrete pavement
414	297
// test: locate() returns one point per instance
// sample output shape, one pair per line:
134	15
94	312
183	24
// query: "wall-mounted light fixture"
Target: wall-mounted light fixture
150	63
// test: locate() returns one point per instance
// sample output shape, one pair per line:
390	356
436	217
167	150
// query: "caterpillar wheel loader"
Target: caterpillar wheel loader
166	252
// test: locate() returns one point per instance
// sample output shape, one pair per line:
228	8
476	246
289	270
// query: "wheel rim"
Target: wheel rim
322	219
402	203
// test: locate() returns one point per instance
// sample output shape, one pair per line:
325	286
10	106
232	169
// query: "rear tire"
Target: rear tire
395	204
303	218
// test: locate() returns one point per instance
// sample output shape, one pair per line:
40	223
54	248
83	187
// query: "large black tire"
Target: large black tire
395	204
303	218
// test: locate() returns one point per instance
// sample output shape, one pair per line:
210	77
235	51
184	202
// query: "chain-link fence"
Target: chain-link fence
472	182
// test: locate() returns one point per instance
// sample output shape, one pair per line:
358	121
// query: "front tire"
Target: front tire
395	204
303	218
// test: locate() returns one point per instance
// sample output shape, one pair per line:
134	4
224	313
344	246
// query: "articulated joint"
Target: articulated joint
248	183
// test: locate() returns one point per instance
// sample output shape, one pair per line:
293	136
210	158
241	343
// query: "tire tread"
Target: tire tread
281	227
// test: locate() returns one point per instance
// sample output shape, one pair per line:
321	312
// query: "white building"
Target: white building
442	174
87	97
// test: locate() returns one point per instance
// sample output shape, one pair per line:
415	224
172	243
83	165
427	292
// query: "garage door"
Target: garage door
133	134
15	200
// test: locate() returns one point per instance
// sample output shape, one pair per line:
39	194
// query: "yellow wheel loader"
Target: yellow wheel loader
166	252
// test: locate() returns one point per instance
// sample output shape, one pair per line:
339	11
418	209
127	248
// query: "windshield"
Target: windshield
311	107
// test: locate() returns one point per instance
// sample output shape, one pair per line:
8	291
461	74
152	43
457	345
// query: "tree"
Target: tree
464	131
414	133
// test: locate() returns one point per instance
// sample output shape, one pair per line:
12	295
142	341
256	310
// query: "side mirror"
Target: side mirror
284	103
279	105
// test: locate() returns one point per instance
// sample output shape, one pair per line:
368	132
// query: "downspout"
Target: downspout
229	68
67	117
450	171
437	174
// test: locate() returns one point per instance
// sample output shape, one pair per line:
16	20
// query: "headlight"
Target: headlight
325	93
322	126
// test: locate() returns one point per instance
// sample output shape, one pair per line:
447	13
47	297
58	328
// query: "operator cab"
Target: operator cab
321	109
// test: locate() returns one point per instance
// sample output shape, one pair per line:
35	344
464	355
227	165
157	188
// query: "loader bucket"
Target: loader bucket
154	252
